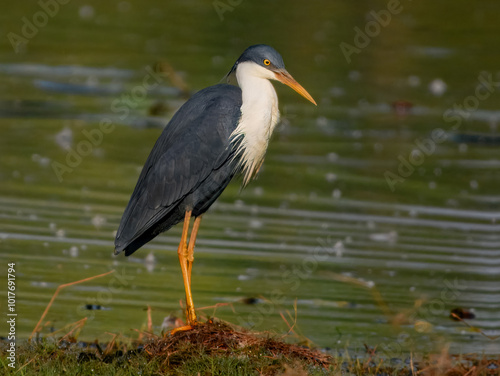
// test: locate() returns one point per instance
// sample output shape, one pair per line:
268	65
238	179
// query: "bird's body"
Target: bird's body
190	165
221	131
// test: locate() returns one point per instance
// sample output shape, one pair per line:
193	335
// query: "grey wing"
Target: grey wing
194	144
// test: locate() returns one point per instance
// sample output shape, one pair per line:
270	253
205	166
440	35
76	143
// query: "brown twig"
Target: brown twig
111	343
150	335
25	364
376	294
474	328
176	79
150	321
76	326
57	293
215	306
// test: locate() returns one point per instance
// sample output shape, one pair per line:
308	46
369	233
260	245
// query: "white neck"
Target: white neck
259	116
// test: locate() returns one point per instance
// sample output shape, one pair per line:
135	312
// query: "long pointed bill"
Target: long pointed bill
283	76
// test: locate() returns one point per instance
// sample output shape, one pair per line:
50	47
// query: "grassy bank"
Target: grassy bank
215	348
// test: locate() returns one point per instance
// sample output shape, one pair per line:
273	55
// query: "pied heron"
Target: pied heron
222	131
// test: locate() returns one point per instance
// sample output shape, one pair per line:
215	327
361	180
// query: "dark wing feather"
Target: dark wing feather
194	144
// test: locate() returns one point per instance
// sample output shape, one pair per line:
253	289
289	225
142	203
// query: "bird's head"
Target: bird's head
267	63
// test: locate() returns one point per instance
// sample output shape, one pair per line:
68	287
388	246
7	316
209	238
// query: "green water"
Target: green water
364	259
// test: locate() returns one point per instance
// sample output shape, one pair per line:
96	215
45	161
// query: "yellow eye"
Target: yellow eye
267	62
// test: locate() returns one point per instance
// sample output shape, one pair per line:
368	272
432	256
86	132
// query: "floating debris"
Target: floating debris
250	301
458	314
95	307
402	108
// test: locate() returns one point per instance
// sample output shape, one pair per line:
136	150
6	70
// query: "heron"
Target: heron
221	132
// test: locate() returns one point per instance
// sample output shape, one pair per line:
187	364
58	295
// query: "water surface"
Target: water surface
337	232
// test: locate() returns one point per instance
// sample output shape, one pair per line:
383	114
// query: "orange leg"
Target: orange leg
182	251
192	241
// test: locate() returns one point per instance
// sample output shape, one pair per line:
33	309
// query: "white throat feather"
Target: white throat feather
259	116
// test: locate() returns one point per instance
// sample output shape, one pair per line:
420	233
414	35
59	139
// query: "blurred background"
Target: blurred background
364	226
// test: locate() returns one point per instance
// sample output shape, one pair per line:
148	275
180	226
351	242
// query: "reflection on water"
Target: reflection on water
376	213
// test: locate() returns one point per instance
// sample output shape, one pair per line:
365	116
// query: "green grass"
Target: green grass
48	359
215	348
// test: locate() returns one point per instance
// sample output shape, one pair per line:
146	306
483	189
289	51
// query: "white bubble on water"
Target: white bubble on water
150	262
332	157
337	193
330	177
64	138
255	223
258	191
387	237
86	12
73	251
438	87
98	221
339	249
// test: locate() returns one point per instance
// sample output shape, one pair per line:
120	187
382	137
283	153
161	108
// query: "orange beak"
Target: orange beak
284	77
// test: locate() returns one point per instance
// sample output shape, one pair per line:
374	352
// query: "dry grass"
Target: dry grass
216	338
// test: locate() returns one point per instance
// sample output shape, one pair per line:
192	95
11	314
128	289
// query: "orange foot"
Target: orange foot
181	329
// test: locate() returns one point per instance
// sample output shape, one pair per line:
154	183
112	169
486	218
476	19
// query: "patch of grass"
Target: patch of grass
189	359
215	348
